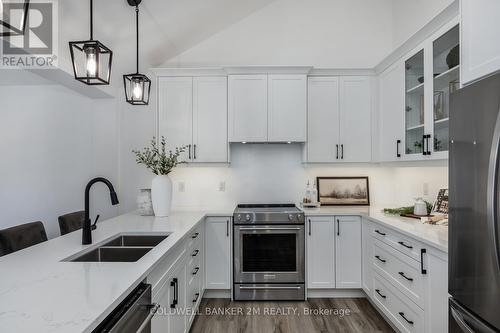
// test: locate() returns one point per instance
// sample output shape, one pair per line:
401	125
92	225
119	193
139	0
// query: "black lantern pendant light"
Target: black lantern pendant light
91	59
12	25
137	86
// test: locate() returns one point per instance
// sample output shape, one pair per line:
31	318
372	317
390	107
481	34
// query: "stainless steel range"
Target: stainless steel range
269	250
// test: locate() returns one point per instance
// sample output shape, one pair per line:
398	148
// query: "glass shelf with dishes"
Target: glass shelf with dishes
415	102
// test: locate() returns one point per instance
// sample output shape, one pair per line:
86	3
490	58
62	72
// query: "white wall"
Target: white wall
53	142
320	33
275	173
409	16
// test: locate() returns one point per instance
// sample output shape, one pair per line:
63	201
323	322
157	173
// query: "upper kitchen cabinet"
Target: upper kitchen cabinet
391	120
339	119
267	108
192	112
480	28
175	106
247	108
287	107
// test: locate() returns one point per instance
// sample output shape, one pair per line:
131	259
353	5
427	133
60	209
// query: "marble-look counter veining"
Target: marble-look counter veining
433	235
41	293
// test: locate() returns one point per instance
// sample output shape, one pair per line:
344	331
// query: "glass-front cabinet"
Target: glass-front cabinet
415	104
432	73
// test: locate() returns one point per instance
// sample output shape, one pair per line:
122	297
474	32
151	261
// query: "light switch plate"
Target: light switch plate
222	186
182	187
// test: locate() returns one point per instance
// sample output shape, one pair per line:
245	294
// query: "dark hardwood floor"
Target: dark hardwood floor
338	315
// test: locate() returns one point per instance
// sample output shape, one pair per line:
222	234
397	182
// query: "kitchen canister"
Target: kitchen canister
144	202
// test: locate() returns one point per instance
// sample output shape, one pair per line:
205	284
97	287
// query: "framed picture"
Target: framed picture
343	191
441	204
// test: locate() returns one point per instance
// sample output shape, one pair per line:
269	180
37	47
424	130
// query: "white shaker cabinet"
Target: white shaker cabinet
323	118
192	112
348	252
218	253
247	108
209	119
480	28
320	252
355	119
367	248
175	105
287	108
339	119
391	118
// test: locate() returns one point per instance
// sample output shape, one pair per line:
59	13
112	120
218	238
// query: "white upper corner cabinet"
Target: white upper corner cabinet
209	119
348	252
480	28
391	119
247	113
320	252
287	108
175	105
218	253
323	119
355	119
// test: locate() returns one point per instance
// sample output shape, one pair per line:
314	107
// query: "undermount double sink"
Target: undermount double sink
123	248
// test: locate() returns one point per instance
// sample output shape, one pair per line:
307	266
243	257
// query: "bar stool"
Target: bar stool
71	222
22	236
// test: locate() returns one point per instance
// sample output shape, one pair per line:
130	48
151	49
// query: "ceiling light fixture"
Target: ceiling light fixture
8	26
137	86
91	59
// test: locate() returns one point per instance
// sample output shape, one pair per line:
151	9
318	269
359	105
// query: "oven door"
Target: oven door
269	254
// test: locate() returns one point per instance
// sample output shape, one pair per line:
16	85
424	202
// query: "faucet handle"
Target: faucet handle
93	227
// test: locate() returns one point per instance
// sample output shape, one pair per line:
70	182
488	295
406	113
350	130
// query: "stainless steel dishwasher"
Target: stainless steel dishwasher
133	315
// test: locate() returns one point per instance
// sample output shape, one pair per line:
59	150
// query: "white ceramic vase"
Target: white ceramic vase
161	194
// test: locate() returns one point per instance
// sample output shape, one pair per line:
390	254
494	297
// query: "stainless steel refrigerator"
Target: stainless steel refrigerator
474	254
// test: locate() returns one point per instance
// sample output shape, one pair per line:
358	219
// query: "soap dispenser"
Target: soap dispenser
314	194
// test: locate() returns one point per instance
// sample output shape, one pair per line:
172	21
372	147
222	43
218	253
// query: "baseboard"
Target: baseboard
335	293
217	293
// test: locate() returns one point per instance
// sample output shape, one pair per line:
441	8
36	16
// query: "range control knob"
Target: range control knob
290	217
239	217
300	217
247	217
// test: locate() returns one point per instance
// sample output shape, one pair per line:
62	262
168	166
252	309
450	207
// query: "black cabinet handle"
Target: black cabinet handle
195	253
378	292
428	144
402	314
309	227
398	142
227	228
338	227
403	275
342	151
189	151
407	246
195	235
175	283
337	157
422	252
382	260
380	233
196	296
424	137
195	270
194	152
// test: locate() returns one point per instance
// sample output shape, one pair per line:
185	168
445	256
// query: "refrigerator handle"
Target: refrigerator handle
492	195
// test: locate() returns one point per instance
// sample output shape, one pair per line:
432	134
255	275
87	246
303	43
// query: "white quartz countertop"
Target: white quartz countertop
433	235
41	293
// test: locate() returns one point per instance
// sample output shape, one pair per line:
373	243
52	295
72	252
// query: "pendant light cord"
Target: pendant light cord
91	19
137	37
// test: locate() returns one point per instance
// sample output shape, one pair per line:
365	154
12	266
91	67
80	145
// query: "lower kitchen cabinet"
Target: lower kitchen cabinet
367	255
348	252
218	252
320	252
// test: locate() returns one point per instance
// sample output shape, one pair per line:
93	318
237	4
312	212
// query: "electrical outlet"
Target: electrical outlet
182	187
426	188
222	186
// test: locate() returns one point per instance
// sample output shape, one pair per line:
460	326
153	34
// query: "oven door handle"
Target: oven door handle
262	228
275	287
